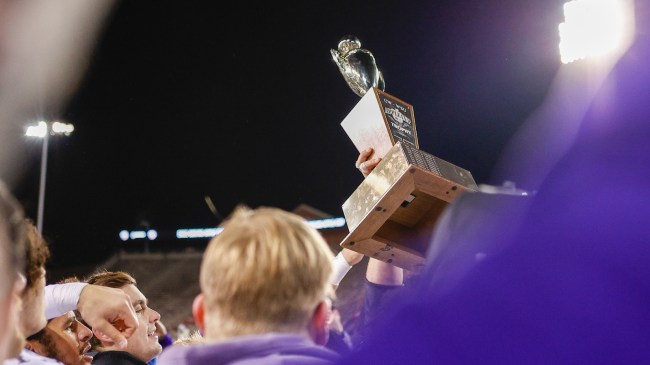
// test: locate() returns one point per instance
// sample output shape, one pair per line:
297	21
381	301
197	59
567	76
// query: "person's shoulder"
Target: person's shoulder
28	357
174	355
287	349
248	350
116	358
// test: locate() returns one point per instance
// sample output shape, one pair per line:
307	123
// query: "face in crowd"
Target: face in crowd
143	344
64	338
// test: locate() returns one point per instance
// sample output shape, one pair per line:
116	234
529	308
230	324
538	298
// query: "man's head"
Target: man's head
36	254
65	339
143	343
268	271
11	263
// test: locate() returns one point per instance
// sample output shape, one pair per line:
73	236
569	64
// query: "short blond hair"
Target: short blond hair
266	272
193	338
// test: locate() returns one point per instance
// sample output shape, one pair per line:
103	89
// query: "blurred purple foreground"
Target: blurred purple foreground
567	275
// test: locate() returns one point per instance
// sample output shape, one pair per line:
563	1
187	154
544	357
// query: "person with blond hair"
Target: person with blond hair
264	294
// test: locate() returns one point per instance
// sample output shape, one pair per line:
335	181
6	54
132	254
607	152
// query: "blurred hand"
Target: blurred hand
109	312
383	273
365	164
335	324
351	257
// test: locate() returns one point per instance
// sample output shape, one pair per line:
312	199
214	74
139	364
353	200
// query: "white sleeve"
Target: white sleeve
341	268
62	298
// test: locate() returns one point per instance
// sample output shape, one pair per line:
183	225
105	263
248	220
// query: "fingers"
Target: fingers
114	332
364	156
109	335
110	313
364	163
367	167
129	320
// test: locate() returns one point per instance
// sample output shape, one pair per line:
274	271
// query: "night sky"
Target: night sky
243	104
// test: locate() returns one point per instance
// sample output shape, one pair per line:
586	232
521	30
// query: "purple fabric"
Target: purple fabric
166	340
571	284
273	348
340	343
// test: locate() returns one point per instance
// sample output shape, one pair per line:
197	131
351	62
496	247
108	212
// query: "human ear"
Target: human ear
198	311
318	326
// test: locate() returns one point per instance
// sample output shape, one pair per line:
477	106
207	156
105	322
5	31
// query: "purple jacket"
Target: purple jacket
272	348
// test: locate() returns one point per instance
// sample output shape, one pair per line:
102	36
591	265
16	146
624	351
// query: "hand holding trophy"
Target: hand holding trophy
392	213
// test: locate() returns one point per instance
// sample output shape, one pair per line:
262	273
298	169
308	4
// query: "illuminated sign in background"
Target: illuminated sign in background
187	233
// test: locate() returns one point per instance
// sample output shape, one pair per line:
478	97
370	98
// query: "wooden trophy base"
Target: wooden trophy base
391	215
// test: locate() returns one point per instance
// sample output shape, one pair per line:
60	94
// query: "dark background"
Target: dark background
243	103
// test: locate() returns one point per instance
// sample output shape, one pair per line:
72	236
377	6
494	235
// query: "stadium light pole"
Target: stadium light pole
44	130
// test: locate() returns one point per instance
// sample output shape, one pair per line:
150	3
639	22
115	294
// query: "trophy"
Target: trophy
392	214
357	65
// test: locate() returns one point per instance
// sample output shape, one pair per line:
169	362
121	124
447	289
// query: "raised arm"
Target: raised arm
109	311
378	272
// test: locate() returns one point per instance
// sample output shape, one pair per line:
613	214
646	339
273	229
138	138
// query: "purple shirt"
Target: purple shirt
272	348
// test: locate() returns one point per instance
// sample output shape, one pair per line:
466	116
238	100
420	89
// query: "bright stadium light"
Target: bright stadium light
39	130
43	130
62	128
124	235
594	28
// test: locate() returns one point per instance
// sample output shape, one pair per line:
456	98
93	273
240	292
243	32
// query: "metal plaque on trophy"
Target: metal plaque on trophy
392	214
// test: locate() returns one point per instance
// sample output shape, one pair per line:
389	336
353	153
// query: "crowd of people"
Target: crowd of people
558	277
562	276
268	285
